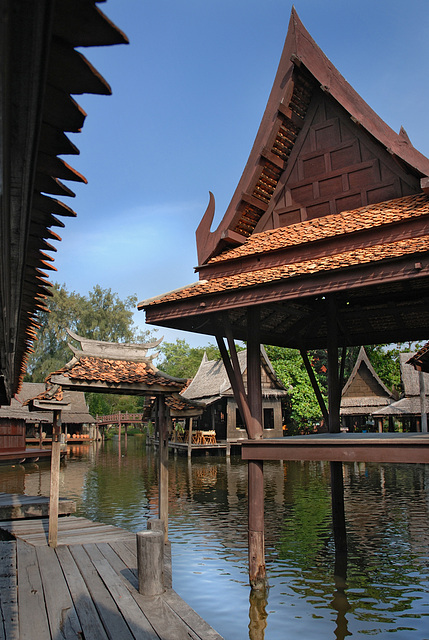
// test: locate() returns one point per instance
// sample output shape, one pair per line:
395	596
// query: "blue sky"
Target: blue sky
189	92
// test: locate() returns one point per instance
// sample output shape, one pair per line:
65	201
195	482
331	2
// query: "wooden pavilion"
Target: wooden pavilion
40	71
363	394
325	244
36	427
212	387
125	369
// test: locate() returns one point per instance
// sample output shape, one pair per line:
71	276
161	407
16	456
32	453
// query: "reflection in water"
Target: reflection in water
257	614
380	588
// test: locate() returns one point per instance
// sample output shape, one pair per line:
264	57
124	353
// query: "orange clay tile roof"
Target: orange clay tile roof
352	258
370	216
116	371
178	403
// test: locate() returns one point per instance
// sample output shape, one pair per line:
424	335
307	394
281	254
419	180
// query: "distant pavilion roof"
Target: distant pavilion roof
332	204
410	404
115	368
211	381
76	413
364	391
41	70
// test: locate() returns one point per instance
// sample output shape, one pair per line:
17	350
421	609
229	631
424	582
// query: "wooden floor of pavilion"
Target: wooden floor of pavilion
85	588
342	447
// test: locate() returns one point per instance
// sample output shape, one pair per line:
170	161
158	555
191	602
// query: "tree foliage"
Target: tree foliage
289	367
180	360
100	315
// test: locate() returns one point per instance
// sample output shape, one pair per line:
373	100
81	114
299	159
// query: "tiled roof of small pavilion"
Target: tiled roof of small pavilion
77	412
94	369
120	367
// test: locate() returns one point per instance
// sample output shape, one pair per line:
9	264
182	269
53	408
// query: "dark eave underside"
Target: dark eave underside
377	303
39	71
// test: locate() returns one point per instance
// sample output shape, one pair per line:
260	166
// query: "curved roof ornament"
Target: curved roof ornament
113	350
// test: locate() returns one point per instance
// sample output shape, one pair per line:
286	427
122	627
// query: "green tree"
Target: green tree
181	360
290	369
101	315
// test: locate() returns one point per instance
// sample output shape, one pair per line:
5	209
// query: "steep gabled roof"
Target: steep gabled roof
307	84
364	391
211	380
332	206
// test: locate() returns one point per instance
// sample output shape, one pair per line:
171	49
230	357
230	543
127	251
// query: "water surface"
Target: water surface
381	589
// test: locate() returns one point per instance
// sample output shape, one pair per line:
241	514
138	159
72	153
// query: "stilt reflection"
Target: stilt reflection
258	600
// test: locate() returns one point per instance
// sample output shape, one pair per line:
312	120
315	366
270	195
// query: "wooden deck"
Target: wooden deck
342	447
16	505
24	455
85	588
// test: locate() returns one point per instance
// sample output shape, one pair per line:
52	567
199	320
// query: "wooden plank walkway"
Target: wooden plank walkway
16	505
86	588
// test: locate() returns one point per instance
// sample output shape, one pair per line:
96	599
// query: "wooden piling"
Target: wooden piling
55	479
150	562
257	575
163	464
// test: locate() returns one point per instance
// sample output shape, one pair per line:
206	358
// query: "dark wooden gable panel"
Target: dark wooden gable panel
335	166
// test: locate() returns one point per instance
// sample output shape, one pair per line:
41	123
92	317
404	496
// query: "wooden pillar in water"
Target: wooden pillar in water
423	408
55	479
163	463
334	398
190	438
257	575
334	391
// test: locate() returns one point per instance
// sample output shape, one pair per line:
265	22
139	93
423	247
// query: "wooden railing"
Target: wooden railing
120	418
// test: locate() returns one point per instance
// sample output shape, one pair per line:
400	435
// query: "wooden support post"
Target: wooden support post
334	392
257	575
338	511
423	408
55	479
150	562
190	438
163	463
40	435
119	435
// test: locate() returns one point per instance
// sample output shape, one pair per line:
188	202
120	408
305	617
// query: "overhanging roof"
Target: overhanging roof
40	71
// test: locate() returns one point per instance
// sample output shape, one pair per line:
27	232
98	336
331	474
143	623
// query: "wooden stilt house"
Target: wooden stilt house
212	387
325	244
